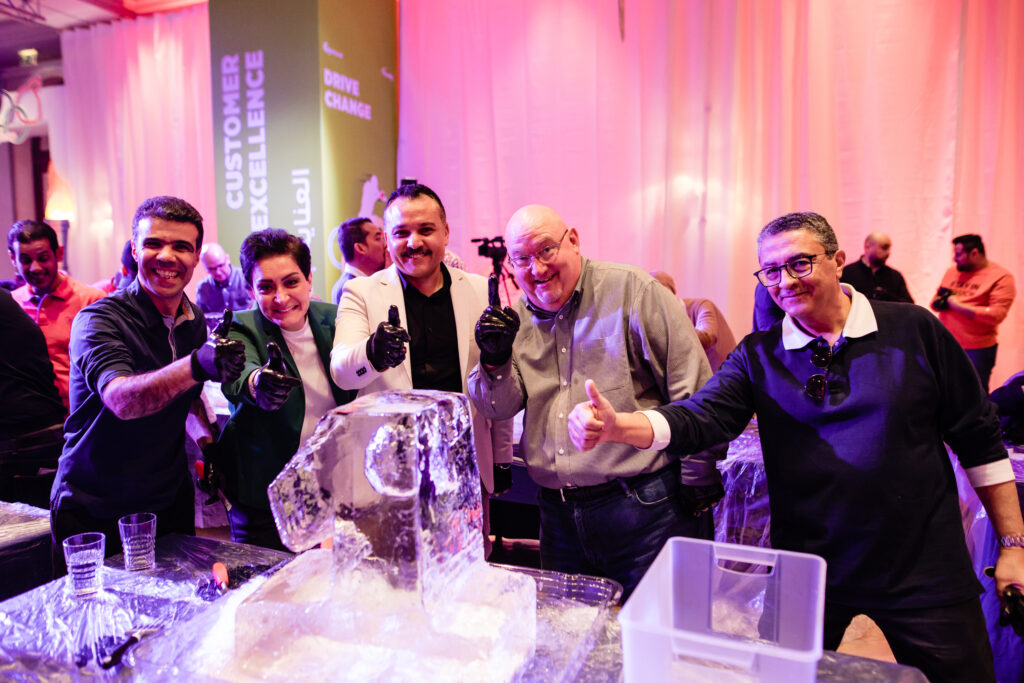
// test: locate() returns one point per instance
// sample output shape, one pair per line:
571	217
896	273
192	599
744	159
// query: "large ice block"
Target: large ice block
394	480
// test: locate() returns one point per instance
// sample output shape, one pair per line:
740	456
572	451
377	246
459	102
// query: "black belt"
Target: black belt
618	486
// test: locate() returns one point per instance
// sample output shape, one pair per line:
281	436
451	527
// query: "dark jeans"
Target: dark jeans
946	643
254	526
618	535
68	520
983	361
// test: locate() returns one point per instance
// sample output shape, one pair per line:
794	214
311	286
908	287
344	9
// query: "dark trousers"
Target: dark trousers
67	519
947	643
619	534
254	526
983	361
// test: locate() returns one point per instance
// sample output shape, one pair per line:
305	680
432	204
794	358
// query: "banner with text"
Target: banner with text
305	120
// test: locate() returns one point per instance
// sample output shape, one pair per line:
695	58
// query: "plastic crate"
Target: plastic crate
725	612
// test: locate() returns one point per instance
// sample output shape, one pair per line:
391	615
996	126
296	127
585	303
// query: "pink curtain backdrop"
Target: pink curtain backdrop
137	122
670	149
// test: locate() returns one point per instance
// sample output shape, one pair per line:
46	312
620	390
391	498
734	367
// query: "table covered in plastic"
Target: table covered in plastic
48	634
24	548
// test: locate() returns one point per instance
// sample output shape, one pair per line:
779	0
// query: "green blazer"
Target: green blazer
256	444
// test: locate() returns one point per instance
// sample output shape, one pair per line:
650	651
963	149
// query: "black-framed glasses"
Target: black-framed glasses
797	268
821	358
545	255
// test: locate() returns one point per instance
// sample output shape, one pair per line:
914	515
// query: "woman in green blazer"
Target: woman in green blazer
286	385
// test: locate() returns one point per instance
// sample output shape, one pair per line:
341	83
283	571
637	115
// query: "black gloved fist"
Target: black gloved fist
210	476
386	347
941	300
273	384
220	359
496	329
502	478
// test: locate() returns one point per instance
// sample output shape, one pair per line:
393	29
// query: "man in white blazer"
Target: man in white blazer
437	310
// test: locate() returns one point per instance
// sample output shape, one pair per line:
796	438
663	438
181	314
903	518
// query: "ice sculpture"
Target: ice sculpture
405	591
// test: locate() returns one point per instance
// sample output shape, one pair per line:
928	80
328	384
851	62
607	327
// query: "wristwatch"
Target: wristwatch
1012	541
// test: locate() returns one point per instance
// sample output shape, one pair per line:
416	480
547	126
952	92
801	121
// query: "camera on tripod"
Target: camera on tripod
494	249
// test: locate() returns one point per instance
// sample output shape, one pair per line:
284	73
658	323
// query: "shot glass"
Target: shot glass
138	536
83	554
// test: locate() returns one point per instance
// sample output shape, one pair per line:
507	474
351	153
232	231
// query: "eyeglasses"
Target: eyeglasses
544	256
797	268
821	358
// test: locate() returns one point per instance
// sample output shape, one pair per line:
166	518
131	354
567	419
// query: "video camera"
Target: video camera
494	249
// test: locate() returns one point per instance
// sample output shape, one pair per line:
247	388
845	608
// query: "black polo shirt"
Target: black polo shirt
434	345
112	467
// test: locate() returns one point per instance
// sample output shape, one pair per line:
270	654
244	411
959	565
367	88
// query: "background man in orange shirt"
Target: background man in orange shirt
974	297
51	298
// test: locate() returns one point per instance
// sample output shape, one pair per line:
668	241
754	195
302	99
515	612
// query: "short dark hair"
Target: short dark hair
413	190
128	259
969	242
351	233
812	222
273	242
169	209
30	231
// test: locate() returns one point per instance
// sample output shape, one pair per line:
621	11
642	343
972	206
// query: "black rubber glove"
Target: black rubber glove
386	347
273	384
210	476
941	300
496	329
220	359
1011	611
502	478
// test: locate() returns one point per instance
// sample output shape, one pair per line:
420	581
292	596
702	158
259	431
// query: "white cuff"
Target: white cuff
991	473
662	431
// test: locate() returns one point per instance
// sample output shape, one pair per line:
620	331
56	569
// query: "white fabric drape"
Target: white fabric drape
670	149
138	123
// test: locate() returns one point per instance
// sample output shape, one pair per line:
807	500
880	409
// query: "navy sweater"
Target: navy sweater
861	478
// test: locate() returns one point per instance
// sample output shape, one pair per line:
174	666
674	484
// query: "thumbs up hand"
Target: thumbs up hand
591	422
497	328
272	385
220	358
386	347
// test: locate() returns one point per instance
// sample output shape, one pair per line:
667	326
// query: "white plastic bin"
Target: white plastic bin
725	612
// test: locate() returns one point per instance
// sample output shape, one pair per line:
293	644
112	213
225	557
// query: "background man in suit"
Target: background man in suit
439	308
365	250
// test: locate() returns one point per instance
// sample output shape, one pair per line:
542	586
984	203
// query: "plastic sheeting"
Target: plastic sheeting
50	635
742	516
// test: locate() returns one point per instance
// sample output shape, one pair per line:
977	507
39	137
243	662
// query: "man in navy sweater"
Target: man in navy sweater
854	400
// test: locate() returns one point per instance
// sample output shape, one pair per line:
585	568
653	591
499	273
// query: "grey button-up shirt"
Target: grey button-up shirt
629	334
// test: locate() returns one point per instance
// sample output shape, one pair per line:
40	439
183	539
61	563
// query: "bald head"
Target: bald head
216	261
876	249
546	255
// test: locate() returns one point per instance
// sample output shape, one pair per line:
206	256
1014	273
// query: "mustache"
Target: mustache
423	251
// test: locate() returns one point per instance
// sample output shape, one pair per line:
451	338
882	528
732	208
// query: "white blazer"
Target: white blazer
364	305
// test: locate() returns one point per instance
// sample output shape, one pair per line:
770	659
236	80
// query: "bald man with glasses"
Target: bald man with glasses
854	399
608	512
